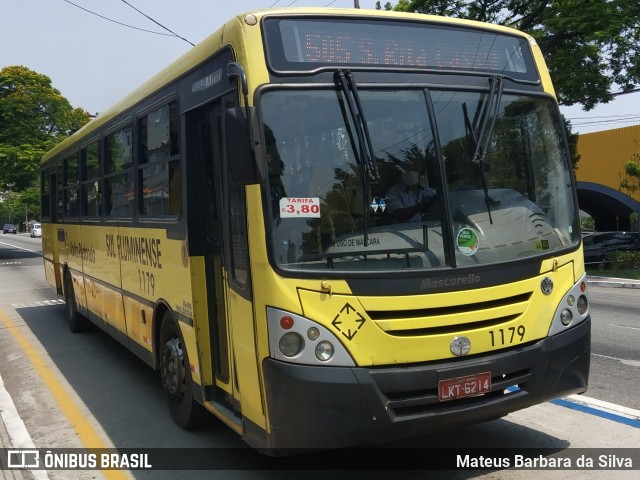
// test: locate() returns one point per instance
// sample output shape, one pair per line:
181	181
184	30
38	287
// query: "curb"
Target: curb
613	282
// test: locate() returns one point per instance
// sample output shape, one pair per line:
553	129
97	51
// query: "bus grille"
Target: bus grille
450	319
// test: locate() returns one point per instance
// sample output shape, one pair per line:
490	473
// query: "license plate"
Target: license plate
461	387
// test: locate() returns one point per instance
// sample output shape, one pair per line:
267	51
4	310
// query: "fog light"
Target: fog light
291	344
571	300
313	333
583	304
324	351
565	317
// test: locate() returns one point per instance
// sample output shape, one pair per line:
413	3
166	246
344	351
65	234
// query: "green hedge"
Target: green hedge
624	260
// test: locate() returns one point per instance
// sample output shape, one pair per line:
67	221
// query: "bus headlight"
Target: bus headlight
291	344
572	309
313	333
583	305
297	339
324	351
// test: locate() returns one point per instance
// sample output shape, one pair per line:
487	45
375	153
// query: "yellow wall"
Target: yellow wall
604	154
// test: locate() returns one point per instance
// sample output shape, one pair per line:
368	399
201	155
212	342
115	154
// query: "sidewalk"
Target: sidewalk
5	444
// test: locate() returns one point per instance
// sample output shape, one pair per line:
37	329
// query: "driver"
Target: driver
407	199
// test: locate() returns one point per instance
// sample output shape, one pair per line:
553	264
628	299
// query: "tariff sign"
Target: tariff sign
291	207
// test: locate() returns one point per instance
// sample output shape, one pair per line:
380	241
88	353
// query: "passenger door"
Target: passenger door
206	239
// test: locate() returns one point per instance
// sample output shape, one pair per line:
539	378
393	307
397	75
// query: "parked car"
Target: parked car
10	228
598	245
36	230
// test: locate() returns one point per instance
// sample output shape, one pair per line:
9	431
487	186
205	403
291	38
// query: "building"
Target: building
603	156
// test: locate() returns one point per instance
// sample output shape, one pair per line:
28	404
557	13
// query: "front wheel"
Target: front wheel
175	375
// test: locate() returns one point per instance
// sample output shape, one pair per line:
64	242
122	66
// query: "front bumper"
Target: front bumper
313	407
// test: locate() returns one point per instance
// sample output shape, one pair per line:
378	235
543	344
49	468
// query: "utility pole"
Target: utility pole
356	3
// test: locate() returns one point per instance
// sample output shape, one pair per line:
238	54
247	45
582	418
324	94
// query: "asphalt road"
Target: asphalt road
615	362
119	398
615	345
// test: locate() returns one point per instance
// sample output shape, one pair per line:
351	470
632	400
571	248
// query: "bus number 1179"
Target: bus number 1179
147	282
507	336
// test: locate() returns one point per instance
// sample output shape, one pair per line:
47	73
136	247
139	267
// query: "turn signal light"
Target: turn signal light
286	322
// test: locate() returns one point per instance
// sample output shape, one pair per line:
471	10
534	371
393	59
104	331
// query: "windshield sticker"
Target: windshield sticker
378	204
355	242
297	207
467	241
542	244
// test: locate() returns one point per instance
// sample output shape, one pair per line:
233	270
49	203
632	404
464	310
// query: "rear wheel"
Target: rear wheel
77	322
175	375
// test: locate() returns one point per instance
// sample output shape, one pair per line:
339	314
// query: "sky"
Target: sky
94	61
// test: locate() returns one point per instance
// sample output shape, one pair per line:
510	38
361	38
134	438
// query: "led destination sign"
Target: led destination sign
305	44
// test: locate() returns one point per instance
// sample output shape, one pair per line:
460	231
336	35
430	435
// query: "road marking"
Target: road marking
632	363
600	408
43	303
88	436
21	248
624	326
18	434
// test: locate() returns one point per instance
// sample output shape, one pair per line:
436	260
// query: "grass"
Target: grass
632	274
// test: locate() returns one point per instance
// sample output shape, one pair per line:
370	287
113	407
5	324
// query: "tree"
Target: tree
34	117
591	46
631	183
572	141
387	6
20	207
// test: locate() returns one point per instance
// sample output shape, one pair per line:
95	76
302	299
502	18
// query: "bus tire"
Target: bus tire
77	322
175	375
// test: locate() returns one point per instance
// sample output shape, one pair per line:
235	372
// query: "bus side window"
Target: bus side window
159	176
118	196
45	194
90	188
70	192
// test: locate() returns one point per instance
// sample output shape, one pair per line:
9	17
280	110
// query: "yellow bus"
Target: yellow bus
330	227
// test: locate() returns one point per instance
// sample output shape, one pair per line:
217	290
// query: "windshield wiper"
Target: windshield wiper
344	80
481	142
364	155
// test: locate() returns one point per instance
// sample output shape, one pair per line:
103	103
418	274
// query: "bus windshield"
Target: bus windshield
442	190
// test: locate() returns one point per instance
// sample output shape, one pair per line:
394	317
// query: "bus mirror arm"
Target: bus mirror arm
240	147
240	141
235	70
